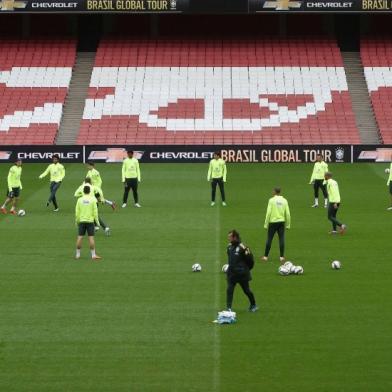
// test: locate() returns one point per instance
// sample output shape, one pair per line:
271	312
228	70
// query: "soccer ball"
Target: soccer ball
196	267
298	270
225	268
387	170
292	269
21	213
336	264
283	270
289	265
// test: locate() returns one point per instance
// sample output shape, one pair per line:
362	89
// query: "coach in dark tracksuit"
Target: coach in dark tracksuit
240	262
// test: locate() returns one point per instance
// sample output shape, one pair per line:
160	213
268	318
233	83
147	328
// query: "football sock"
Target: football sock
102	223
92	252
77	252
109	202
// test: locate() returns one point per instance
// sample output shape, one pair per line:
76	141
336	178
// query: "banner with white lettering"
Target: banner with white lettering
237	154
95	6
193	6
320	6
202	153
39	154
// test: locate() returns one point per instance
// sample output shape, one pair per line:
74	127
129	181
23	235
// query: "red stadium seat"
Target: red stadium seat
218	92
31	94
376	55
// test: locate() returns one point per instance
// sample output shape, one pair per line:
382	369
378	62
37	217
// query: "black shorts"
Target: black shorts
390	187
238	276
88	227
131	182
14	193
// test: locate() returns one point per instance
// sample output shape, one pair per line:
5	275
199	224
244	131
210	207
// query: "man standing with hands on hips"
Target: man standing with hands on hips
217	175
277	219
317	179
131	177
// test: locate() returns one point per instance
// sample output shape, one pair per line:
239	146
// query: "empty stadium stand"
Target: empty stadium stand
376	55
212	92
34	78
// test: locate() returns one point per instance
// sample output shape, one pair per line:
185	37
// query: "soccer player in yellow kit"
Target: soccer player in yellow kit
96	181
277	219
333	204
98	194
86	213
14	186
317	179
57	174
217	174
130	177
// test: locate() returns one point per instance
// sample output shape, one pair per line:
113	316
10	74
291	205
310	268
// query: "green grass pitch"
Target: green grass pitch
140	320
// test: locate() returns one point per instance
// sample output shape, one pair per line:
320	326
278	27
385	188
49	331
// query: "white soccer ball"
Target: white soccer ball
336	264
298	270
387	170
283	270
196	267
225	268
21	213
289	265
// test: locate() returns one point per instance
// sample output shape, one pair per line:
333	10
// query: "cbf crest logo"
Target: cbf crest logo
339	154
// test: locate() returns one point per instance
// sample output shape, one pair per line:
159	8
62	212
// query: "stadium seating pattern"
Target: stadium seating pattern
218	92
34	80
376	55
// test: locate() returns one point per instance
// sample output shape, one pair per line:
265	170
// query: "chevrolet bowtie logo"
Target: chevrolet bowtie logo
282	5
5	155
113	155
378	155
11	5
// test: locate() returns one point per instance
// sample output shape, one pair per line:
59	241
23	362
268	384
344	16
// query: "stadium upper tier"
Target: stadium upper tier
376	55
213	92
34	79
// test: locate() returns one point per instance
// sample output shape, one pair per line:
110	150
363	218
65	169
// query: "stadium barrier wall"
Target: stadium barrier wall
187	153
192	6
203	153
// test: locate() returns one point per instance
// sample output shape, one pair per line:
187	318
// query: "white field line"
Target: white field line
217	342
